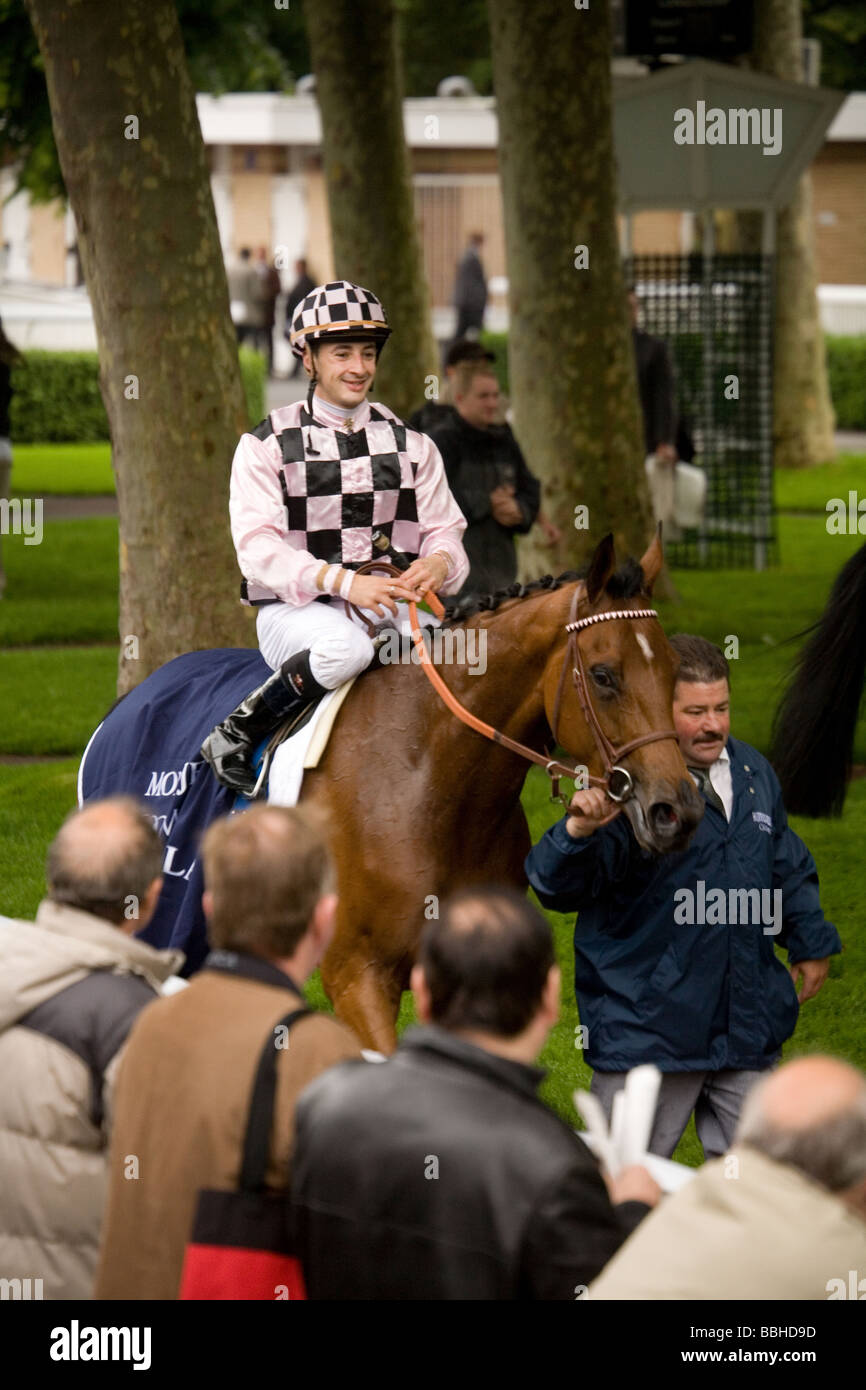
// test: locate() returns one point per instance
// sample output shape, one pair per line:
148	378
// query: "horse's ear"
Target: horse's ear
652	562
601	567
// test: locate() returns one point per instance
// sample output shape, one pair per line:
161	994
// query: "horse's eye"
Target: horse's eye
604	678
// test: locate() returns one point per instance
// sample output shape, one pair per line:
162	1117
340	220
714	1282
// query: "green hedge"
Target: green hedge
498	344
57	399
846	364
254	374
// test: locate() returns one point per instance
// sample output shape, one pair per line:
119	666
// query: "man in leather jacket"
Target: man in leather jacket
439	1174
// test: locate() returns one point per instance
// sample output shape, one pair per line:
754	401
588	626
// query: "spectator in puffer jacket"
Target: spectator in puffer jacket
71	985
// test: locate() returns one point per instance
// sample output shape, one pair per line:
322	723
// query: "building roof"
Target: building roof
850	120
270	118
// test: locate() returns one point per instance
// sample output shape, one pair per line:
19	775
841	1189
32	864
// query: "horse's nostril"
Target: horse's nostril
663	816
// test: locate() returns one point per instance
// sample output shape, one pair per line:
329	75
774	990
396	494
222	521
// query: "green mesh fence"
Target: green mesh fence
715	315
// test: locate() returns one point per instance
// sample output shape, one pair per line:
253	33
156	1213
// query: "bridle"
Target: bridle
617	781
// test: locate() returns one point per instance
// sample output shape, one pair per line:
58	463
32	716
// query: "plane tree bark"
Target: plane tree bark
366	162
572	372
803	417
130	147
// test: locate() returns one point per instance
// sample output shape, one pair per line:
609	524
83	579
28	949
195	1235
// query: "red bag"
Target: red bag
242	1244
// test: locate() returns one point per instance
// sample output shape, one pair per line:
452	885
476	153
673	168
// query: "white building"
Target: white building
269	190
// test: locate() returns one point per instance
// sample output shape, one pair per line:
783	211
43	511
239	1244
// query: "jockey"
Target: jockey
309	486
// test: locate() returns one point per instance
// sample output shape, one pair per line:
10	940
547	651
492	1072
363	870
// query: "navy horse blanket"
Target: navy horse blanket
149	747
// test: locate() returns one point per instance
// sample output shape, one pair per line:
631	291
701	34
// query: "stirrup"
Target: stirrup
267	759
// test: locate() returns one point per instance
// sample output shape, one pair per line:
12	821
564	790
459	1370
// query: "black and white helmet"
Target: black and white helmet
338	310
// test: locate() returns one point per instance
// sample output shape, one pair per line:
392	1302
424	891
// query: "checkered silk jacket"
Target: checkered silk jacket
304	494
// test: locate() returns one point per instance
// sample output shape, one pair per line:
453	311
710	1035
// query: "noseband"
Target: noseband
617	780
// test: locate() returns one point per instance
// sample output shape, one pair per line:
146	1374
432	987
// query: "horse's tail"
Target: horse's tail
813	731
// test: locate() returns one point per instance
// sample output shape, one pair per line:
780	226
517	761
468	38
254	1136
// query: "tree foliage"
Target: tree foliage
840	26
230	47
168	359
372	215
441	40
571	359
26	136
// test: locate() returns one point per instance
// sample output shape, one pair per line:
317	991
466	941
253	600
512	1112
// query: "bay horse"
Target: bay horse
418	804
813	730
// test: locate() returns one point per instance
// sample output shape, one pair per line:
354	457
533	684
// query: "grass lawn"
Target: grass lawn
39	470
64	590
52	698
810	489
34	798
52	695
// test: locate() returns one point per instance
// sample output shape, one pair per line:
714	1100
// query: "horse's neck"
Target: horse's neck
518	645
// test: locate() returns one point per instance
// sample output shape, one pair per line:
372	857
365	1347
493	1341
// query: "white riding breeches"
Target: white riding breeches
339	647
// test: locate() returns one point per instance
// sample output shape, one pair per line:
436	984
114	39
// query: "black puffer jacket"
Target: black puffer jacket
439	1174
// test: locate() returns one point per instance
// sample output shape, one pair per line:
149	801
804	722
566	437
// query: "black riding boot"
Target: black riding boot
230	746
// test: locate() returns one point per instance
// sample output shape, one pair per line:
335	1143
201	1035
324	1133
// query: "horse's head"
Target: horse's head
627	669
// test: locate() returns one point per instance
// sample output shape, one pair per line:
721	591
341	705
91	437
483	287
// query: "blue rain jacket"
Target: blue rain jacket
672	966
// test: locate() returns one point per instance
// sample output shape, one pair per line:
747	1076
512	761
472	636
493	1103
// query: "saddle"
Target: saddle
264	753
378	633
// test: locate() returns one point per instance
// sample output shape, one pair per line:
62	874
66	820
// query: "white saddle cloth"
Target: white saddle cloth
304	749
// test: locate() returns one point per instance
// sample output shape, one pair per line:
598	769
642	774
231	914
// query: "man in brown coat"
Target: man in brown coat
184	1087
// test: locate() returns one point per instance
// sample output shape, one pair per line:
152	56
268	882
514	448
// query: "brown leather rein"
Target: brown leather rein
617	780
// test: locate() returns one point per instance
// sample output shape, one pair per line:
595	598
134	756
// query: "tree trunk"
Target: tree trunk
375	239
168	358
803	419
572	372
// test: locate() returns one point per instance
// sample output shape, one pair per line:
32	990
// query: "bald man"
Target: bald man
71	985
783	1215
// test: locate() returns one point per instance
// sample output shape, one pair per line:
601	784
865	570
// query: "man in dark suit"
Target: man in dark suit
304	285
470	289
655	379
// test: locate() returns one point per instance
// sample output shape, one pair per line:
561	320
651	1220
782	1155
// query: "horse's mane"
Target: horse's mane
627	582
813	732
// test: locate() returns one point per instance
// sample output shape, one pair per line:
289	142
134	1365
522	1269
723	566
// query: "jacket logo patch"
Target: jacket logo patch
763	822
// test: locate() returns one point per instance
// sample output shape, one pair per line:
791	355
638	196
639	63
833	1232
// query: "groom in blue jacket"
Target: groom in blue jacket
675	954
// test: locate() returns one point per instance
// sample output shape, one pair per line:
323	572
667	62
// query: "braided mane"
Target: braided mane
627	582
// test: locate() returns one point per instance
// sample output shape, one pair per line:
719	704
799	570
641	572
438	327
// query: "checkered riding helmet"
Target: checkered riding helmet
338	310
